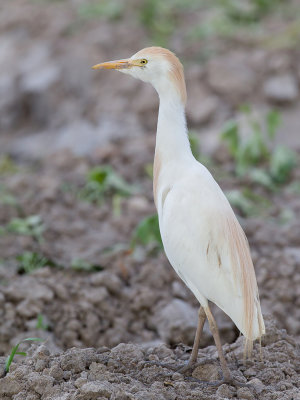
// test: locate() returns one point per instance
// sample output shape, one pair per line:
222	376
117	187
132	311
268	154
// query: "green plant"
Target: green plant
294	188
156	16
194	143
241	20
103	182
147	233
41	324
8	199
282	161
30	226
255	156
108	9
161	18
30	261
79	264
248	203
15	351
7	165
249	11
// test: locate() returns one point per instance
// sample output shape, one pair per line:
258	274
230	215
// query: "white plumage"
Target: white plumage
202	238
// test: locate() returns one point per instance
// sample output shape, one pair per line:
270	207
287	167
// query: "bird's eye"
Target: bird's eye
144	61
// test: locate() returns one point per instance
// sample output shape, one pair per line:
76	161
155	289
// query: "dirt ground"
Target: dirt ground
107	314
130	371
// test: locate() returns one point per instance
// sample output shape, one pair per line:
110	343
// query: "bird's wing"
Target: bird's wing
208	248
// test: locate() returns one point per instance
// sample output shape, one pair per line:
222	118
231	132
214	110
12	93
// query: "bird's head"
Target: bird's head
155	65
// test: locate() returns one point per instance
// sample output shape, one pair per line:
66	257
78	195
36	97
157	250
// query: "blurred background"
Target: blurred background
81	260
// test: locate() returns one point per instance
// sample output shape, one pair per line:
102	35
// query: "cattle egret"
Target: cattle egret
202	237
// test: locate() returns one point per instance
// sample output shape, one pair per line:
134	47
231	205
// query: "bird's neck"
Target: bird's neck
172	142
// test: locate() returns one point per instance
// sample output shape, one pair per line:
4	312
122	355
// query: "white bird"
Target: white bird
202	237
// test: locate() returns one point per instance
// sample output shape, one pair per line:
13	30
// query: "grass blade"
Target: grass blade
15	351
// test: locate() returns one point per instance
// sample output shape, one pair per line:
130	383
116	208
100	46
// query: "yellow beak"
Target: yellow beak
117	64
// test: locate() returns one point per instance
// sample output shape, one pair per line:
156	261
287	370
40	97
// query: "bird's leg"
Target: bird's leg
215	332
194	354
227	377
201	321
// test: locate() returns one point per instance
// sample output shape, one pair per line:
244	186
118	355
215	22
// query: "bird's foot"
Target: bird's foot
229	380
172	367
181	368
188	368
234	382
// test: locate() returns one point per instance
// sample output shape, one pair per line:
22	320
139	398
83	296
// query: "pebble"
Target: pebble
176	321
231	76
207	372
56	372
224	392
279	62
177	376
257	384
244	393
108	280
281	88
91	389
127	353
30	290
201	106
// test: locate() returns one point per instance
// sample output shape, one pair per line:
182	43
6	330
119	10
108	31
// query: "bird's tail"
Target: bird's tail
252	325
255	332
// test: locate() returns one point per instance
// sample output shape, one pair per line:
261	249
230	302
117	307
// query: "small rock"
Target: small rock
257	385
179	290
63	396
41	353
73	325
294	252
224	392
41	365
279	62
40	383
80	382
96	371
244	393
29	289
40	79
143	300
9	386
28	309
160	350
107	279
127	354
74	360
207	372
56	372
29	396
176	322
93	390
96	295
231	76
201	105
250	372
281	88
147	395
138	204
177	376
60	291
